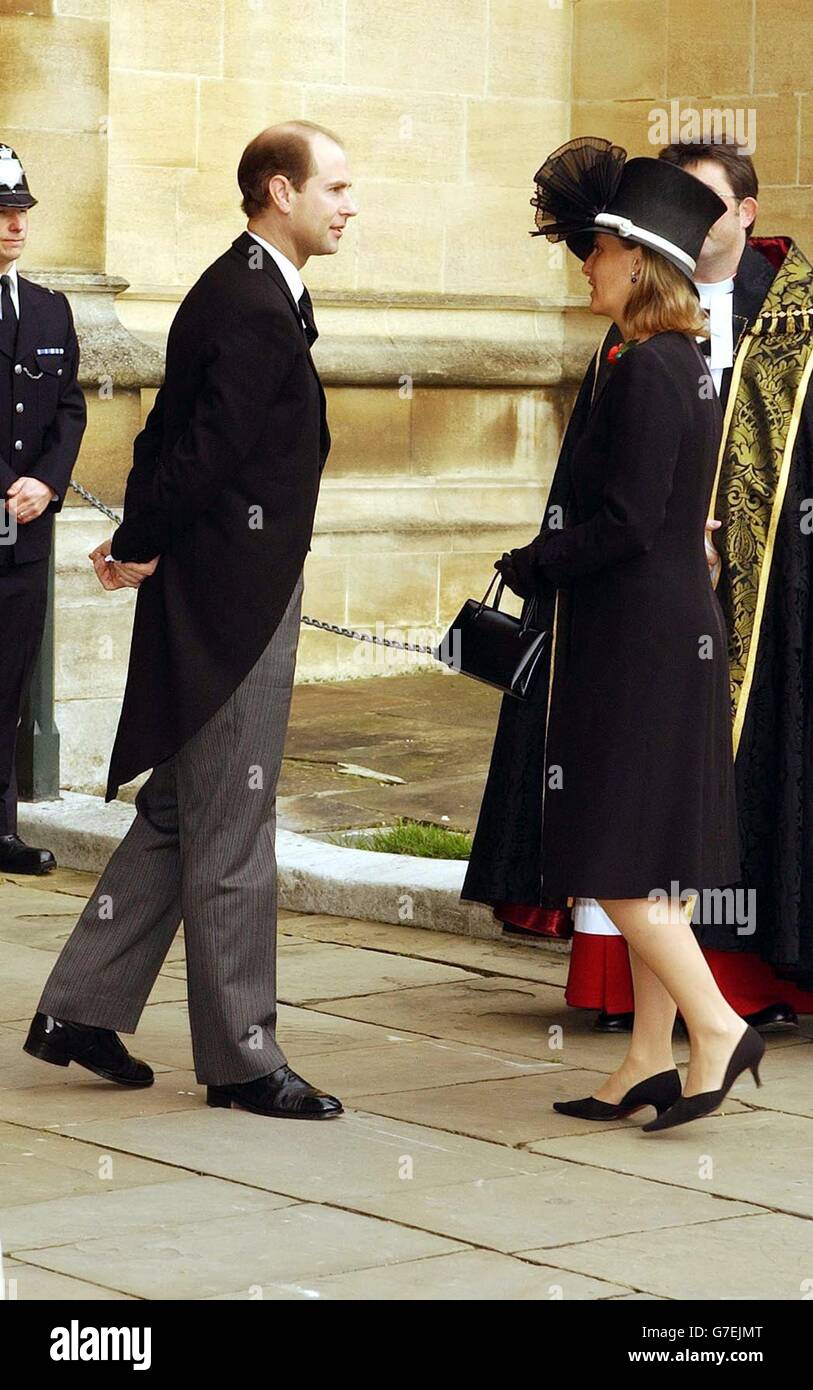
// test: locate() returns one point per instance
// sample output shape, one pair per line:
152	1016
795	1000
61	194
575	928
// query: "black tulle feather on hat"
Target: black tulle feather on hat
589	186
575	183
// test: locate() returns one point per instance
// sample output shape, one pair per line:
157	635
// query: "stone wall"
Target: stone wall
451	342
633	57
445	344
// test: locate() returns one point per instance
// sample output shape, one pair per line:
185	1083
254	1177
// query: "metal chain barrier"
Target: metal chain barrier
309	622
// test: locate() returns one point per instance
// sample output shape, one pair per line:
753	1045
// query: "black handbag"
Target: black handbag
495	647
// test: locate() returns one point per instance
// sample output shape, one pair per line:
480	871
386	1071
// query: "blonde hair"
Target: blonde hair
663	300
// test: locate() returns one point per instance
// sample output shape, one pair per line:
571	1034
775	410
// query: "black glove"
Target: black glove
515	568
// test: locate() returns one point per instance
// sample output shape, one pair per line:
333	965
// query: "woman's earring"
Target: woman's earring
634	277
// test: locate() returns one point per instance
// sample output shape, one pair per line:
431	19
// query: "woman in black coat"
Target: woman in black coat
638	806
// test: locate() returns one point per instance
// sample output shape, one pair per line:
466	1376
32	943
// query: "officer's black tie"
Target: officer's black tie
705	347
8	327
306	311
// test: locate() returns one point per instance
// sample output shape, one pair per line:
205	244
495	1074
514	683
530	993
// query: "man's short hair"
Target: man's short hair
280	149
738	166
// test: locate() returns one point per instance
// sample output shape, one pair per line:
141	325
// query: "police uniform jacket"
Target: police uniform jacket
42	408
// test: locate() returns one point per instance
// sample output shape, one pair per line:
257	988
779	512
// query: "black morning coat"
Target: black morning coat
223	487
42	409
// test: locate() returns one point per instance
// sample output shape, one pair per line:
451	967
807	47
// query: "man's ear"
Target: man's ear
749	207
279	191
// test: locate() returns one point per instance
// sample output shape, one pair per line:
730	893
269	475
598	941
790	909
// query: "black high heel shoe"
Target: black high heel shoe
746	1055
662	1091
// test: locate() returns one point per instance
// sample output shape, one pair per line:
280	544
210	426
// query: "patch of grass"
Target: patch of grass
416	838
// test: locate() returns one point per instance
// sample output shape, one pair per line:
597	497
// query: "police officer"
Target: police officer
42	420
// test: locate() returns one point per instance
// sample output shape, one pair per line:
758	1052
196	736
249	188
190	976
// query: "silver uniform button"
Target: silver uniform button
18	369
59	371
19	407
18	444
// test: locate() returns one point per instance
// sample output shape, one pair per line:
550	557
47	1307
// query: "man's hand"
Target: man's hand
712	555
27	499
120	574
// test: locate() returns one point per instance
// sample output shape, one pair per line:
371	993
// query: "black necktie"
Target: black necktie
8	327
705	347
306	311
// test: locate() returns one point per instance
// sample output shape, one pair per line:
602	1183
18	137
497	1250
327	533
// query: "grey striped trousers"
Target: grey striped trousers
201	848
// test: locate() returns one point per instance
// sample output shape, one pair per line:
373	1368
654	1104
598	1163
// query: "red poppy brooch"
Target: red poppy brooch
619	348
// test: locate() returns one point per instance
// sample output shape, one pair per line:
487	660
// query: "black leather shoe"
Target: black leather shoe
774	1016
282	1094
661	1091
19	858
614	1023
747	1054
98	1049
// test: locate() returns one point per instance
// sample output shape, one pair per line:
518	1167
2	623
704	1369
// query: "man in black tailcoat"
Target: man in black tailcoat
218	517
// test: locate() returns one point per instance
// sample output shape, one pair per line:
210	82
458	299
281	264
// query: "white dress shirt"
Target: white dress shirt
293	279
14	288
718	299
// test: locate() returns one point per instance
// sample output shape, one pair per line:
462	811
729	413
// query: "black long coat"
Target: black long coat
42	408
224	486
636	769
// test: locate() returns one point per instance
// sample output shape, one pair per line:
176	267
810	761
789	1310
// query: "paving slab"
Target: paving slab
637	1298
303	1032
182	1200
46	933
32	904
329	812
229	1254
319	970
396	1065
26	1282
36	1167
754	1156
60	1108
505	955
788	1078
475	1274
162	1037
41	1082
511	1110
444	1060
25	971
568	1202
353	1155
514	1015
73	882
44	919
763	1256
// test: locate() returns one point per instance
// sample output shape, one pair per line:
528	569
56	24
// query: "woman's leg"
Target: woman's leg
650	1049
658	931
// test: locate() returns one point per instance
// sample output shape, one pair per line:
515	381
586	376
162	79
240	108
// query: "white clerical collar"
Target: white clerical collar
293	279
718	298
710	288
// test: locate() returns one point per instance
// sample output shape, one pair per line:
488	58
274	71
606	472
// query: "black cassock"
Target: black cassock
633	787
224	485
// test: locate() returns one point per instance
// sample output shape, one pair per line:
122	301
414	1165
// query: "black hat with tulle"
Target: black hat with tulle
589	186
14	190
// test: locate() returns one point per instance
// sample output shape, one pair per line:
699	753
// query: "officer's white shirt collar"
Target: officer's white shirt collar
13	287
293	279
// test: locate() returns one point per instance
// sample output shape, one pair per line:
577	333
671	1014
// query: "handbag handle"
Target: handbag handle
530	614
